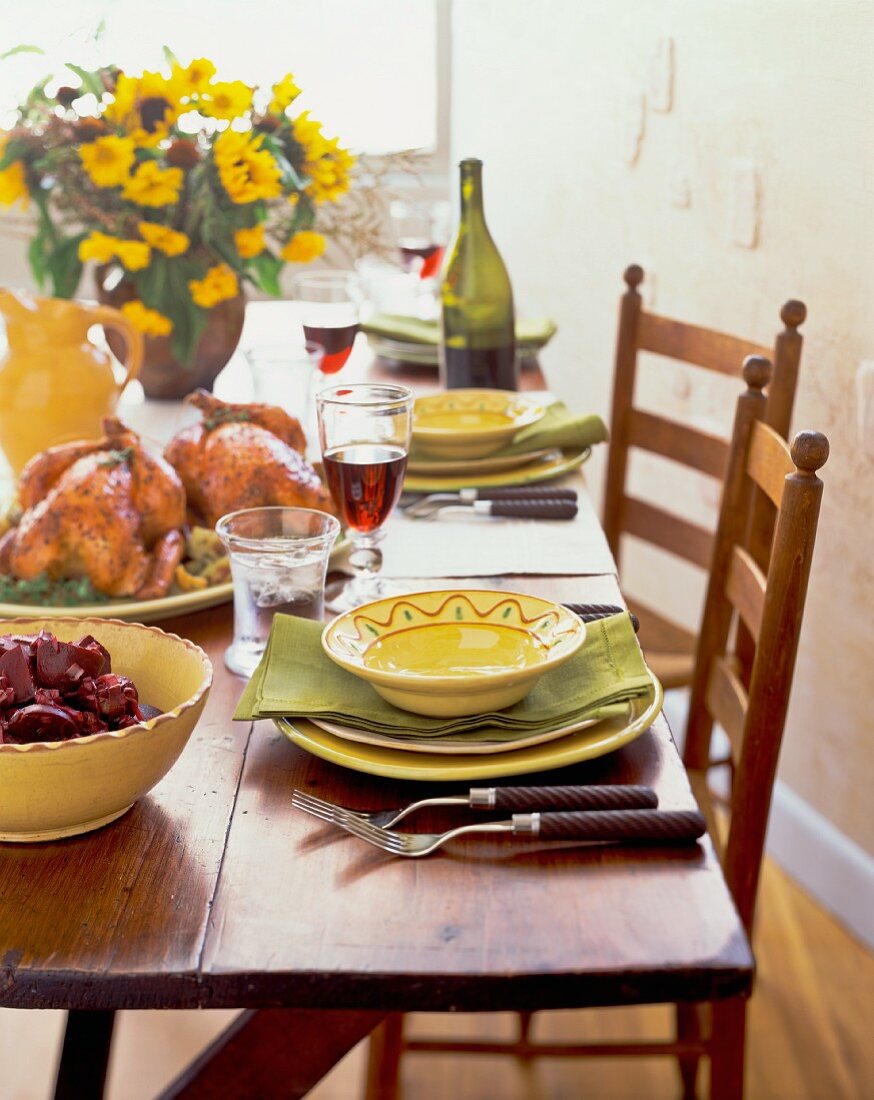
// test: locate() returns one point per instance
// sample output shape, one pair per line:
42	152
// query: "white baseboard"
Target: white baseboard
822	859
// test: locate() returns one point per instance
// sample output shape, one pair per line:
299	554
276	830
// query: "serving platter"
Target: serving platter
394	763
550	465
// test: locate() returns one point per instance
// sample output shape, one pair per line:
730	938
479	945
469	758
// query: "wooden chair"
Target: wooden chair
669	647
767	596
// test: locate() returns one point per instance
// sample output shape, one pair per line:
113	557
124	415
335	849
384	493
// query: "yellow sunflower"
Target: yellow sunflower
219	283
303	248
329	174
107	160
247	171
283	94
145	106
148	321
99	247
165	240
152	185
135	255
195	77
227	100
13	182
250	242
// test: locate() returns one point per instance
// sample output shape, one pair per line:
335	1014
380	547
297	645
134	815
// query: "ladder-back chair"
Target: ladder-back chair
670	648
768	599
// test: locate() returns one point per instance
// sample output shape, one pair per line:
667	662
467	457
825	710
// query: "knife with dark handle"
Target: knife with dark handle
636	826
563	798
527	509
591	612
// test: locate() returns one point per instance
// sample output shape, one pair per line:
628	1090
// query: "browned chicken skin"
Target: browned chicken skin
107	510
244	456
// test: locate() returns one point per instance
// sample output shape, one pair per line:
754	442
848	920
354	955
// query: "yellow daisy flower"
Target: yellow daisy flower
308	133
247	171
283	94
99	247
148	321
107	160
227	100
135	255
13	184
165	240
195	77
249	242
303	247
152	185
219	283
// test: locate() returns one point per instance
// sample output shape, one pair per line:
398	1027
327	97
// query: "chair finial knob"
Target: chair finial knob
633	276
793	313
809	451
757	371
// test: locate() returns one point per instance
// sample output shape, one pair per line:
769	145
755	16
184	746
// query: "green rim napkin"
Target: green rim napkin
296	679
534	333
558	427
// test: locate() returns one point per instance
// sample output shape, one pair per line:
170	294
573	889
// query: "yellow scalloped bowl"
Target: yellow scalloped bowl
56	789
454	652
461	424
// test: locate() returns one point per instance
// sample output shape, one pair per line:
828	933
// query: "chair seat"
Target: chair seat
669	649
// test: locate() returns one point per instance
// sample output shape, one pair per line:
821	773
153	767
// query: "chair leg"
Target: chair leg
84	1056
525	1021
384	1059
727	1049
688	1028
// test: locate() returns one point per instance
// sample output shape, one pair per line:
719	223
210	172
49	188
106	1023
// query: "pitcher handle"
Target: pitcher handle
133	338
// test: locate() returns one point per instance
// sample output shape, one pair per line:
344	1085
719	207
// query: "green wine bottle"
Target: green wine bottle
478	344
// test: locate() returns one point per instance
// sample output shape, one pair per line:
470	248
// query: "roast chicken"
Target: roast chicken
104	509
243	456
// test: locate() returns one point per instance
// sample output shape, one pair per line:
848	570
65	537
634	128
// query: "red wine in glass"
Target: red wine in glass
365	480
337	341
420	248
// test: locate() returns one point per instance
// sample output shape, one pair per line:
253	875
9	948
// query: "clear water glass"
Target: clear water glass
286	374
279	558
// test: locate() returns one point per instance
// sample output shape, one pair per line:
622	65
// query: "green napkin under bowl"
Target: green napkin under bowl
530	334
297	680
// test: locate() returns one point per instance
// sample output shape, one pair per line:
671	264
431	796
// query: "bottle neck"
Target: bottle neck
472	192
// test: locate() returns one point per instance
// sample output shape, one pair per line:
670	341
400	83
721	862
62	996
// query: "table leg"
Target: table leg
384	1059
727	1049
84	1056
278	1052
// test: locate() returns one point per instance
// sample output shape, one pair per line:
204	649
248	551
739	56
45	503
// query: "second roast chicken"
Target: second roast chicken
243	456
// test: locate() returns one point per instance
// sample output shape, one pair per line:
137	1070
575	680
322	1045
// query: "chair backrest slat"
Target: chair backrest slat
677	536
745	588
689	446
727	702
702	347
768	462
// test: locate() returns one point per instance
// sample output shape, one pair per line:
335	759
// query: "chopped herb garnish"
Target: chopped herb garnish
42	591
115	458
225	416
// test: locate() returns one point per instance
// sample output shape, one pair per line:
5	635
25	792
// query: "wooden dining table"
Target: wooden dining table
213	892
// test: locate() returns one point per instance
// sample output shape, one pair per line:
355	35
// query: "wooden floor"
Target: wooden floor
810	1026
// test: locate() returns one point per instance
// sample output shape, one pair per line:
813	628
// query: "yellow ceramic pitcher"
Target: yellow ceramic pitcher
55	385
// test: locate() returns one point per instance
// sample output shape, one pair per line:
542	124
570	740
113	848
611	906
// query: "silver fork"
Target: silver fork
617	826
491	798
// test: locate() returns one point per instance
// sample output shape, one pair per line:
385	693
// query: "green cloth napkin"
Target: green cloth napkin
296	679
558	427
534	333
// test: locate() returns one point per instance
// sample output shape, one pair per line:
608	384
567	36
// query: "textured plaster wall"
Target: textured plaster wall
736	163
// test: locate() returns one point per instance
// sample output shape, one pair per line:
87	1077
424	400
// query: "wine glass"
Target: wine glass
364	433
330	304
422	230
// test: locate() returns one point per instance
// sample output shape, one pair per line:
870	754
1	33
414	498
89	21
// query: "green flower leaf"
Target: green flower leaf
91	81
264	270
21	49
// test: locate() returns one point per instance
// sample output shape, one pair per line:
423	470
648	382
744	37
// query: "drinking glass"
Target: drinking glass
279	558
285	375
330	304
364	433
422	230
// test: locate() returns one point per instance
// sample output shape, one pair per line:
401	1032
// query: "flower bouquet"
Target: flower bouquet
181	188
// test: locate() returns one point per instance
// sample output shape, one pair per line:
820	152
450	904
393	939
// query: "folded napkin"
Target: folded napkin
534	333
296	679
558	427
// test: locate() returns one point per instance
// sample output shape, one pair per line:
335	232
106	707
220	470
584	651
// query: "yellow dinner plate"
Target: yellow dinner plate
491	465
391	763
552	465
470	423
454	652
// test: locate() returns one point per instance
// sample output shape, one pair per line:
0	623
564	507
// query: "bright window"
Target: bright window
368	68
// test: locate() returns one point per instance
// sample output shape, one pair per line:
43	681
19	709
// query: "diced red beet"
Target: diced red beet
16	668
40	722
90	642
63	664
50	696
7	694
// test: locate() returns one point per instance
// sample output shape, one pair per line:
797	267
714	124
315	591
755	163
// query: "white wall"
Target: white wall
551	96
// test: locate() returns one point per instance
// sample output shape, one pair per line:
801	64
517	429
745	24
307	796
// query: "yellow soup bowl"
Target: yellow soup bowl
461	424
60	788
454	652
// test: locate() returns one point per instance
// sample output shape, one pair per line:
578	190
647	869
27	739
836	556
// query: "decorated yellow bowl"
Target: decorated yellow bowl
450	653
61	788
462	424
